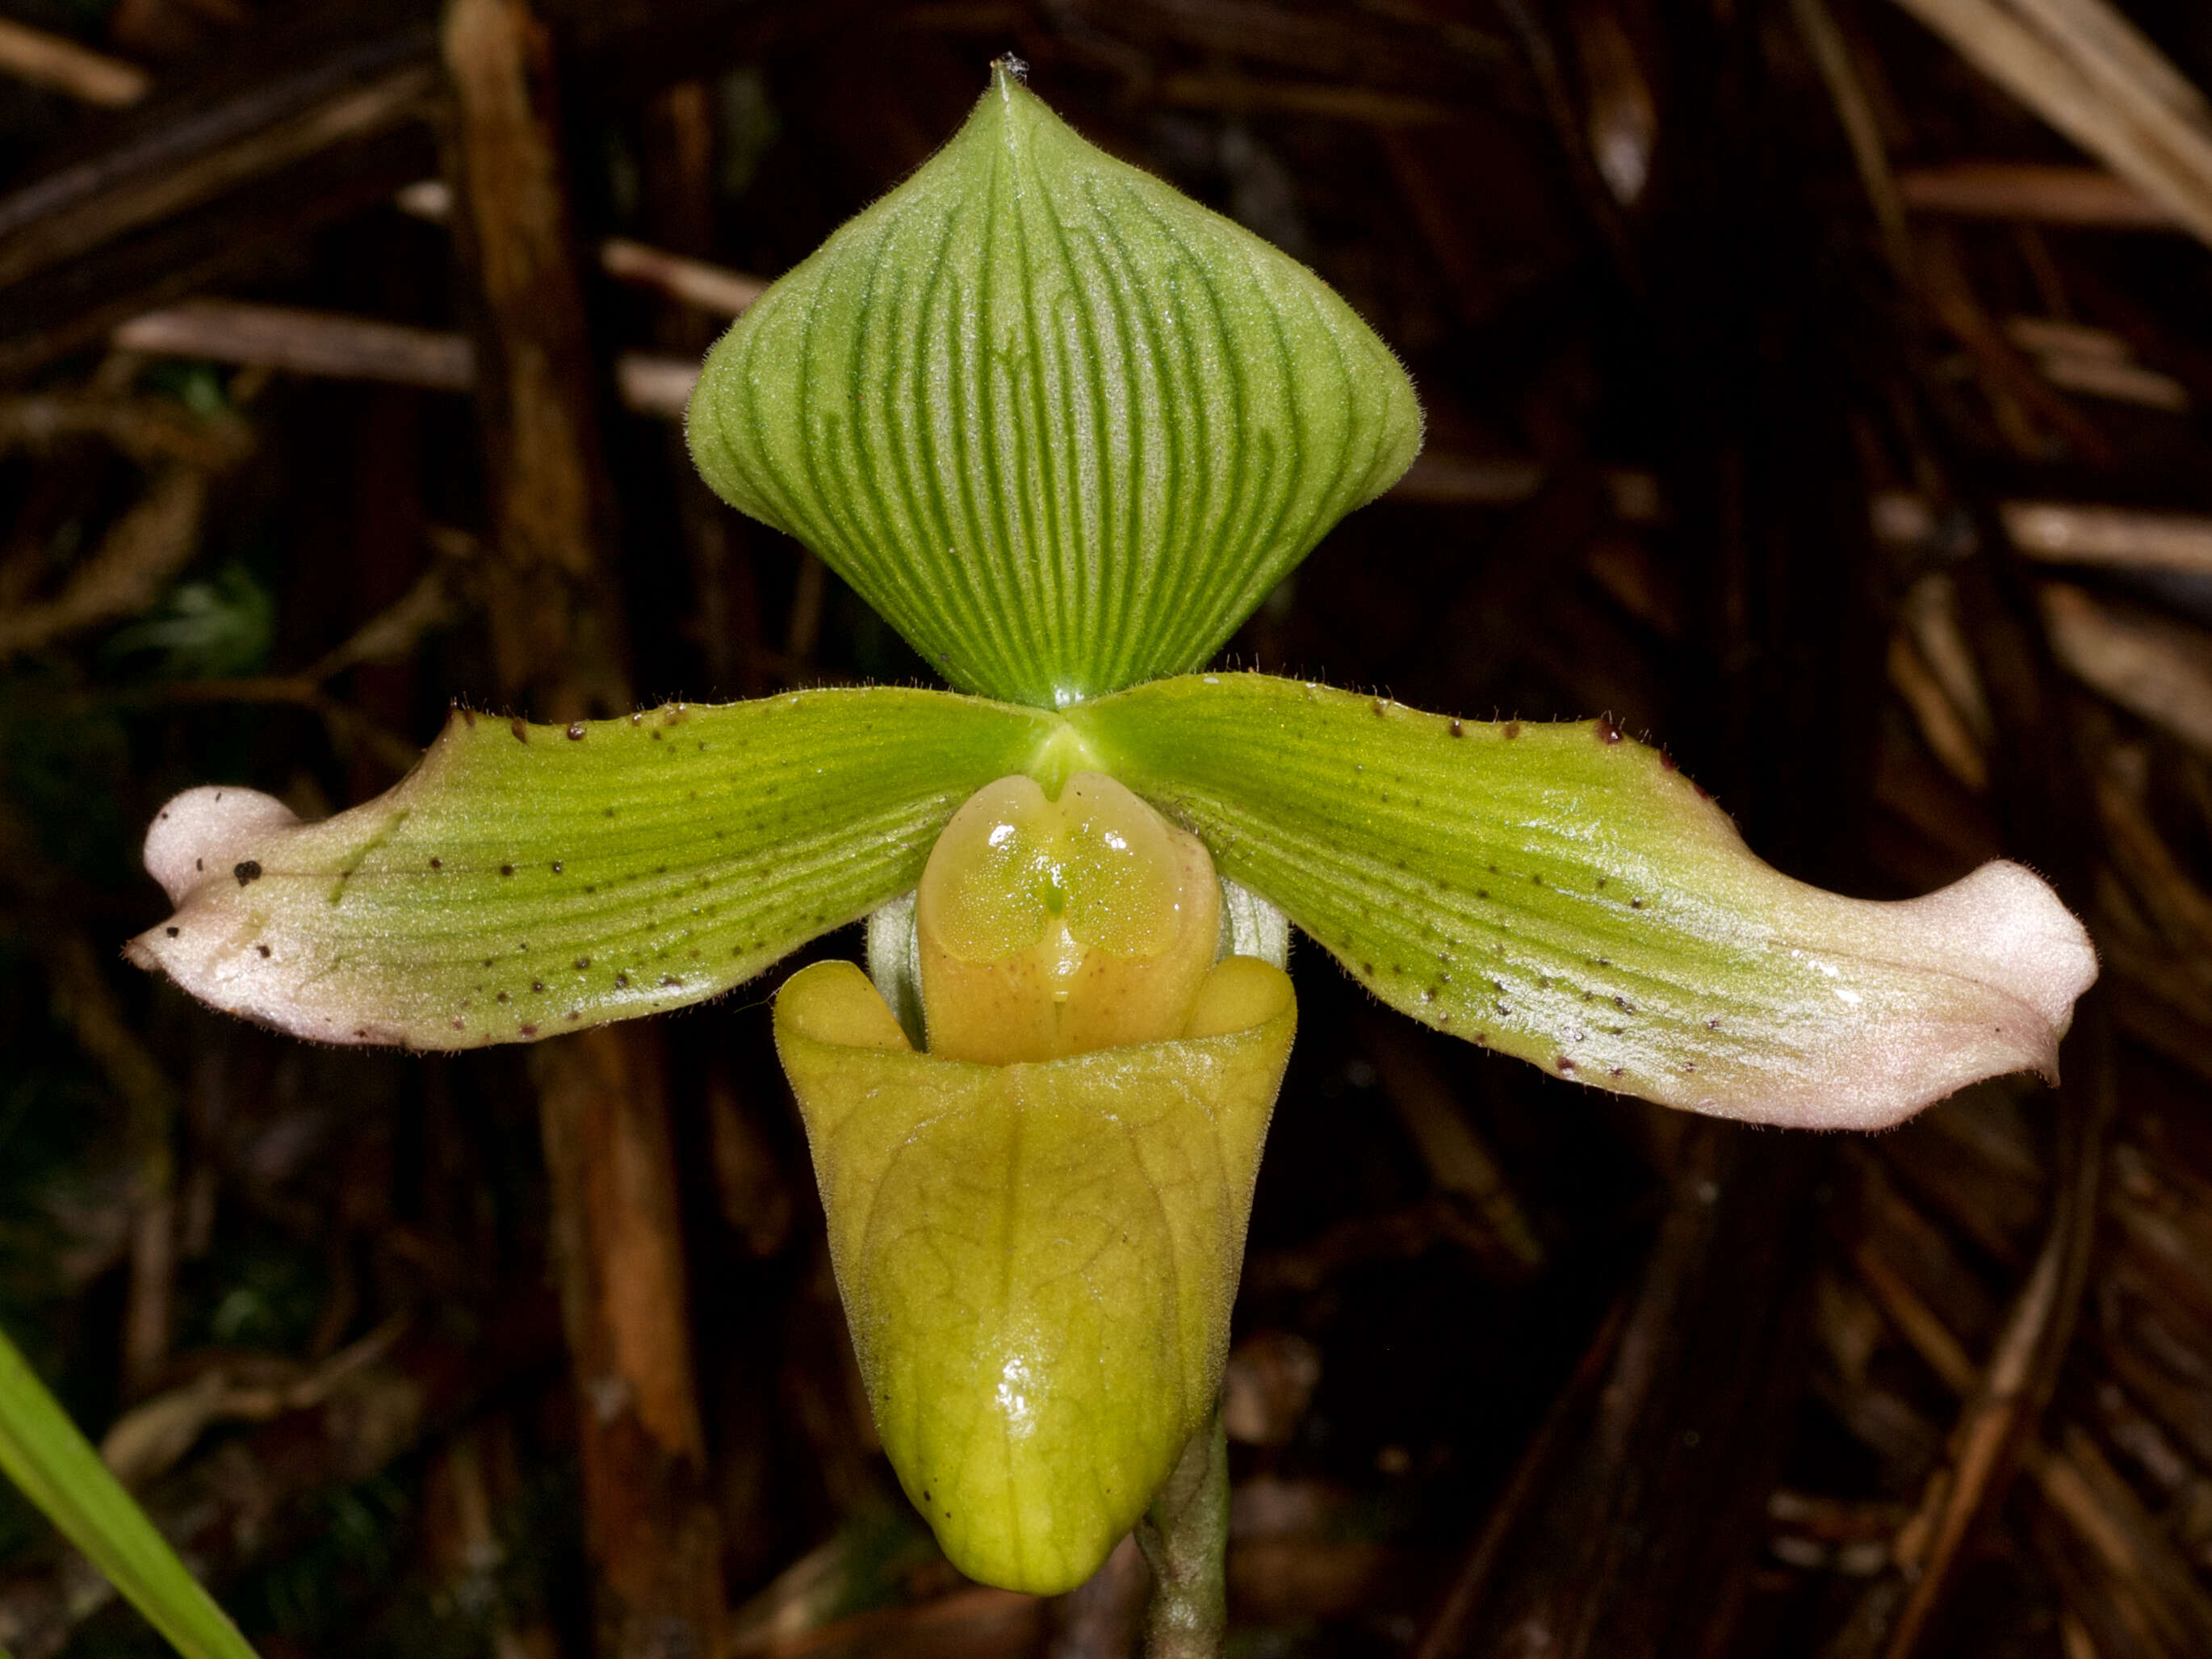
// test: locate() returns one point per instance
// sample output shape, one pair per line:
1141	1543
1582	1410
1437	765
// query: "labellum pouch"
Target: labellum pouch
1038	1260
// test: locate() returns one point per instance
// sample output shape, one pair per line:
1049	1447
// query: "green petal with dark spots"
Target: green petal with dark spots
525	880
1561	893
1063	426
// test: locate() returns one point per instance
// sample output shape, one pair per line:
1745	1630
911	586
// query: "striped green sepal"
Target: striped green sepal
1063	426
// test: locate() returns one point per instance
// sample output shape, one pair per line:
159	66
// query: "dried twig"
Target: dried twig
1459	1161
2010	1394
2073	1480
341	347
556	619
348	726
2034	192
1949	736
711	288
1330	100
305	342
2008	376
1831	54
148	429
1448	1630
50	60
242	1499
2061	532
2148	664
146	547
2083	69
152	1438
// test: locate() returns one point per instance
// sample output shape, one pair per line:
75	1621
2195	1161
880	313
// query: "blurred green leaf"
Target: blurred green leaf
356	1546
211	629
198	384
748	126
258	1289
43	1453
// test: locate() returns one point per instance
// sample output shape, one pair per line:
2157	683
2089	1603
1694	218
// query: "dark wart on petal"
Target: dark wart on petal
249	869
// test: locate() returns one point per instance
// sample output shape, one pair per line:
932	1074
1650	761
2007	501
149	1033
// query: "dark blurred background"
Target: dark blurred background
1798	395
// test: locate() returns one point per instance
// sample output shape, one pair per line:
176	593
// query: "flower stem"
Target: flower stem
1186	1540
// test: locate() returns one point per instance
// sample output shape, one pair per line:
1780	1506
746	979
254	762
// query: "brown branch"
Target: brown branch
148	429
2145	661
1450	1630
653	1538
52	60
1460	1162
2071	1481
1328	99
2080	67
86	1005
1831	56
349	727
304	342
1695	1398
163	167
347	347
2000	1418
2008	376
2061	532
145	548
2087	197
693	282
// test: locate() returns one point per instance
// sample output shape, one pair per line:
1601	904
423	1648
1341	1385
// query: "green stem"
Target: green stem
1186	1540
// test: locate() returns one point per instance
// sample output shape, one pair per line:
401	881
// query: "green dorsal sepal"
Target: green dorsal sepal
1063	426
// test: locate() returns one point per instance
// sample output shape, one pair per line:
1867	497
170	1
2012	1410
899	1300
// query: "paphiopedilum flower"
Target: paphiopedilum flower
1065	428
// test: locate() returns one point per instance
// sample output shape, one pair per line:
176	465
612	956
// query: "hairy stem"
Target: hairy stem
1186	1540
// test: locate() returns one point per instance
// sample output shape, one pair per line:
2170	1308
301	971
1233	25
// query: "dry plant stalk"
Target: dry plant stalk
556	624
146	547
2128	539
52	61
2086	71
304	342
2034	192
2159	669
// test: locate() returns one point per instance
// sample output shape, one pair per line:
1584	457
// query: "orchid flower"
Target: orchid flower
1065	430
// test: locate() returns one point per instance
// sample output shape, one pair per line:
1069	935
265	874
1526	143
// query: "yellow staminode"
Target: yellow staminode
1055	927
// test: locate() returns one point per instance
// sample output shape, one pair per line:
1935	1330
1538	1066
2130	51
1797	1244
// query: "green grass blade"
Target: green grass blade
1563	894
56	1469
526	880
